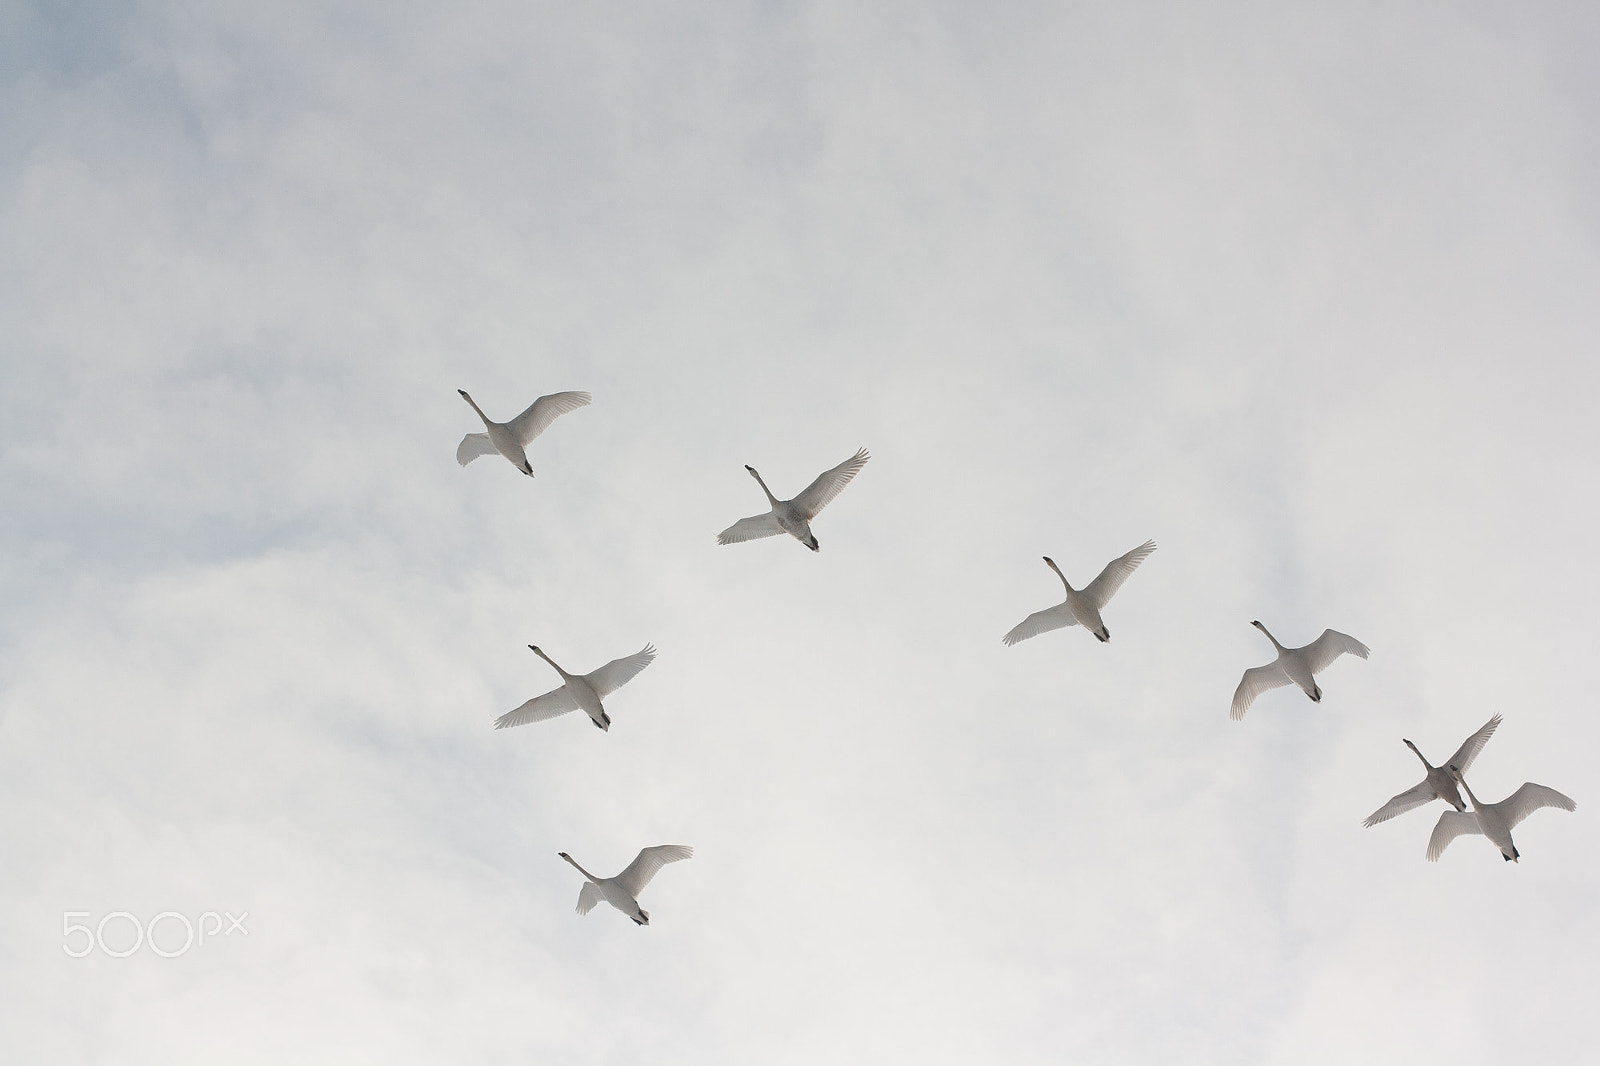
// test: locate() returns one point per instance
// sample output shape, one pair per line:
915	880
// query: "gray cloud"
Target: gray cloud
1301	294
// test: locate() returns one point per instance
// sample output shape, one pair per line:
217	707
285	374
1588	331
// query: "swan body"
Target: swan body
1294	666
1082	606
510	438
794	516
1493	820
1438	783
579	692
622	891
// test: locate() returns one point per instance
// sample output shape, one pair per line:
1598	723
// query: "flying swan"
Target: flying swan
622	891
1438	784
1494	820
794	516
1295	666
509	438
581	692
1082	607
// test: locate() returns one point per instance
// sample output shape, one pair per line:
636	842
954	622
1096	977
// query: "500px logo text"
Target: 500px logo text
171	923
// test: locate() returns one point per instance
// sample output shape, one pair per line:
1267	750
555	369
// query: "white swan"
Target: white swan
581	692
1439	782
794	516
510	438
622	891
1494	820
1082	607
1295	666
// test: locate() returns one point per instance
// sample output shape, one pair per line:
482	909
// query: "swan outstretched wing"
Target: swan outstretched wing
588	896
472	446
1472	745
642	869
618	672
1256	680
1410	799
1451	825
1529	798
829	484
1328	647
543	411
1057	617
753	528
550	705
1102	588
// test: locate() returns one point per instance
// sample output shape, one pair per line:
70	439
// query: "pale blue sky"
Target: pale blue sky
1306	294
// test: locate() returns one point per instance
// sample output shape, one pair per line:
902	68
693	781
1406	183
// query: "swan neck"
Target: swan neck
478	409
549	660
1470	796
1272	638
770	497
580	869
1059	574
1418	754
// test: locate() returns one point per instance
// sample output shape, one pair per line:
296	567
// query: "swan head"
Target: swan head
1259	626
1455	772
535	649
464	395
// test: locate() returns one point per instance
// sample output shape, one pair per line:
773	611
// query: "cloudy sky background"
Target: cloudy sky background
1305	294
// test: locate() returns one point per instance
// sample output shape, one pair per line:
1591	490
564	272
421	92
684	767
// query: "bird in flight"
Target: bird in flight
510	438
794	516
1438	783
1082	606
1294	666
622	891
579	692
1493	820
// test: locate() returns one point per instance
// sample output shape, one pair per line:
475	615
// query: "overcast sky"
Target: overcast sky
1305	293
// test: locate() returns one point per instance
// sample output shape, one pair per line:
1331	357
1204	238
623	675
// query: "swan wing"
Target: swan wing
1529	798
472	446
1102	588
1256	680
1328	647
753	528
829	484
550	705
1451	825
543	411
618	672
642	869
588	896
1057	617
1472	745
1410	799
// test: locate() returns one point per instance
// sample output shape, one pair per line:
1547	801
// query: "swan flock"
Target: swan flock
1080	607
